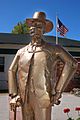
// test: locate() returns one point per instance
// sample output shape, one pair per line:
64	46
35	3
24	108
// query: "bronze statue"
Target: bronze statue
31	74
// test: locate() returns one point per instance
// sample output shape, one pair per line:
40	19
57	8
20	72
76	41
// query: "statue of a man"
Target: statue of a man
31	74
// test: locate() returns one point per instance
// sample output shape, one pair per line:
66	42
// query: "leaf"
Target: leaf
21	28
70	119
78	118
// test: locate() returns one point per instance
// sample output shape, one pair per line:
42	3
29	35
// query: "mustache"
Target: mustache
32	32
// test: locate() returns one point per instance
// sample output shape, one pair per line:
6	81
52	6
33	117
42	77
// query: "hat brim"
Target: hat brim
48	24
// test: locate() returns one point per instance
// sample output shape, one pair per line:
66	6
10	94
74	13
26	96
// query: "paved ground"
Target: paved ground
67	100
4	107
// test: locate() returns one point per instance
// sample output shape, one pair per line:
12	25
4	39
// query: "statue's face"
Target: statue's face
37	29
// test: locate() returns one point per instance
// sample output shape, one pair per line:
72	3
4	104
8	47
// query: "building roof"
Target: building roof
9	38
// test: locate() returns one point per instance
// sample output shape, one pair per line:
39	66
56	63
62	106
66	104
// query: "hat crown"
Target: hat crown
39	15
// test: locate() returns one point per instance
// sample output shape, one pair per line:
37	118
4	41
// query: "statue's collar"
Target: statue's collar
33	48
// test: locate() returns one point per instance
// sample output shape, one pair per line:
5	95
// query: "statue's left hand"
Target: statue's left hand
55	98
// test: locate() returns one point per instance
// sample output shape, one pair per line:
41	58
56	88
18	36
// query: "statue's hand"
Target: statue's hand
15	102
55	98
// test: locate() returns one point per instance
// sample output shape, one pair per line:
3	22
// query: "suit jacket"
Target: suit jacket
41	74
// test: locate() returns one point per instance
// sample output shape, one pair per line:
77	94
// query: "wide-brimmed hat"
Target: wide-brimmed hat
40	16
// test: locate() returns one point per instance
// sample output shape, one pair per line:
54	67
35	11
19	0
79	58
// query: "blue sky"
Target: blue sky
68	11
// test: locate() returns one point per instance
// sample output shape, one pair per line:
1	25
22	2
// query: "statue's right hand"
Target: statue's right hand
14	102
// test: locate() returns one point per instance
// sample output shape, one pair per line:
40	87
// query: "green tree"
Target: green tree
21	28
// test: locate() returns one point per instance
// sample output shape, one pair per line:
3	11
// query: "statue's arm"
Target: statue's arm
12	76
70	66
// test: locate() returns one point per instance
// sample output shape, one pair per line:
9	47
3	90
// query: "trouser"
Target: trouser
33	111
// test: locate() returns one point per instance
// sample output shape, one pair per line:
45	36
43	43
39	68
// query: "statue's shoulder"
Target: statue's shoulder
22	50
52	46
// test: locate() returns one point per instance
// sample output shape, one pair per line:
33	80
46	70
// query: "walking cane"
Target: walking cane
15	113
